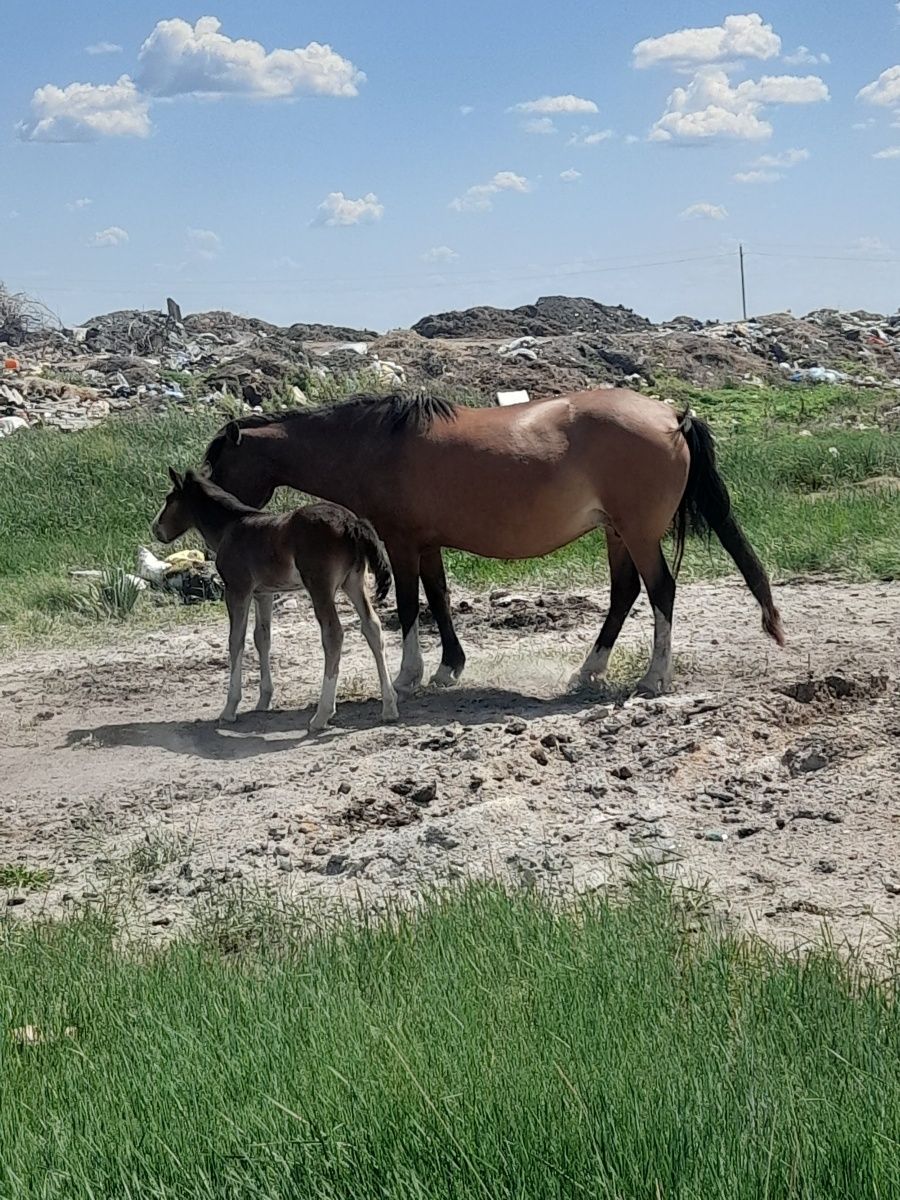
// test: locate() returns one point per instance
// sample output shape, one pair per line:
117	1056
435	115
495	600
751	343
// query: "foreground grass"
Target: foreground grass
490	1047
87	499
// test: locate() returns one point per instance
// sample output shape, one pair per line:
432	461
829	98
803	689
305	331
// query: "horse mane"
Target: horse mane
212	491
414	411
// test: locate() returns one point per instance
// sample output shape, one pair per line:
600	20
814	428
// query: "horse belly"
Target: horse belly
523	526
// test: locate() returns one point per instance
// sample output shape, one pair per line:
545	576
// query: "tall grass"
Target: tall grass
488	1047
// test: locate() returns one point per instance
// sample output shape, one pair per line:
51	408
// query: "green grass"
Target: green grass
87	500
490	1047
19	877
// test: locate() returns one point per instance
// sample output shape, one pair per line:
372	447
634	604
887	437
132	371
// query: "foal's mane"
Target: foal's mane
415	411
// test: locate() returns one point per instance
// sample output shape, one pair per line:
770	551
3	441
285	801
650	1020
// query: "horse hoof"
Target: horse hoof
315	727
406	688
443	677
264	705
389	715
228	718
649	688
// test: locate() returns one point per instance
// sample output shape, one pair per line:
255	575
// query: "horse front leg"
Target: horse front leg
405	566
434	580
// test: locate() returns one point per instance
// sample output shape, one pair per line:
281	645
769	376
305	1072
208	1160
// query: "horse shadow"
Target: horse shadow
256	734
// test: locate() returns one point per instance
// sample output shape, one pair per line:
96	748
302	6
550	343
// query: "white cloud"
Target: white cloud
82	202
113	236
204	243
590	139
540	125
712	107
466	109
440	254
757	177
884	91
804	57
704	212
13	214
888	152
338	209
569	176
787	158
84	112
867	124
103	48
555	106
871	245
737	37
180	59
631	139
479	197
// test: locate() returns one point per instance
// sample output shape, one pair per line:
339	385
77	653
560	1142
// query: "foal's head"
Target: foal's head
177	514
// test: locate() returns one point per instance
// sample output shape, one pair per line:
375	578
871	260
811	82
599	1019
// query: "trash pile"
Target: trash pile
73	378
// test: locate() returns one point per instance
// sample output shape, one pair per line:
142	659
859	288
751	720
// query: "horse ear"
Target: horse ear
177	479
233	433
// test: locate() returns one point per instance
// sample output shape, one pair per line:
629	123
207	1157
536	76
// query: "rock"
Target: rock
713	835
424	795
515	726
805	758
15	900
435	836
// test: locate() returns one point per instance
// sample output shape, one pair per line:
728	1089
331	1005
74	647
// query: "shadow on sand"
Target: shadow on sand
255	734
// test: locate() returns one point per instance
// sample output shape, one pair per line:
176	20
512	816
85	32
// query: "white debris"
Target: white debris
521	397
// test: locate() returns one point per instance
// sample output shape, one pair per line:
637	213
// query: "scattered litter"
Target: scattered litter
519	397
10	425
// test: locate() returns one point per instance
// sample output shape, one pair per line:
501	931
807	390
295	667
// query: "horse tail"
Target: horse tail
372	553
706	505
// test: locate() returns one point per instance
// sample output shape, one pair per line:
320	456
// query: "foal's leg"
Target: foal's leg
238	605
624	588
453	657
355	588
262	636
648	558
332	642
405	565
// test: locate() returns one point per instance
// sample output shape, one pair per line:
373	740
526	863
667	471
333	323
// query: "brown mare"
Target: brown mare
320	547
511	482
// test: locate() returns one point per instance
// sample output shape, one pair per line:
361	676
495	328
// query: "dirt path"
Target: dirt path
113	771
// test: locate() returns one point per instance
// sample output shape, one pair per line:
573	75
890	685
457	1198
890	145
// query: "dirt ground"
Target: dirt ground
768	776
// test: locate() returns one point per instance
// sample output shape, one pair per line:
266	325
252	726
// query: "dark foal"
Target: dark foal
321	548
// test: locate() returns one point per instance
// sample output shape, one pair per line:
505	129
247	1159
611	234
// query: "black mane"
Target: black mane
399	411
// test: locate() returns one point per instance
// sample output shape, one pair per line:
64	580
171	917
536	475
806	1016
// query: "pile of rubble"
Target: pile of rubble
71	378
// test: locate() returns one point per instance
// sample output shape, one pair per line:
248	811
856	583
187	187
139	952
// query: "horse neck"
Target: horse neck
319	454
212	518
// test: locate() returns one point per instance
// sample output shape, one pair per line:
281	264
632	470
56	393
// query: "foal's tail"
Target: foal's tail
372	552
707	505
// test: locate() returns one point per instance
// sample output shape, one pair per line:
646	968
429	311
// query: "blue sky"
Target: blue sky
446	155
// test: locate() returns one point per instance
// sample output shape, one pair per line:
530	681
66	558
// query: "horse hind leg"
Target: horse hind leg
355	588
651	564
332	644
262	637
624	588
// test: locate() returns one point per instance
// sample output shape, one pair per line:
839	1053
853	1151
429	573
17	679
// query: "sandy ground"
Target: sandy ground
769	777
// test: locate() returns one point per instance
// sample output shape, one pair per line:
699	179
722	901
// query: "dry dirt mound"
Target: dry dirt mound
547	317
768	776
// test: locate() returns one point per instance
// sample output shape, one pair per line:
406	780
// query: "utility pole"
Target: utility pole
743	282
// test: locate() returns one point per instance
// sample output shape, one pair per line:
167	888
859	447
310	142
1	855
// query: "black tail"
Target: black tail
372	552
707	505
